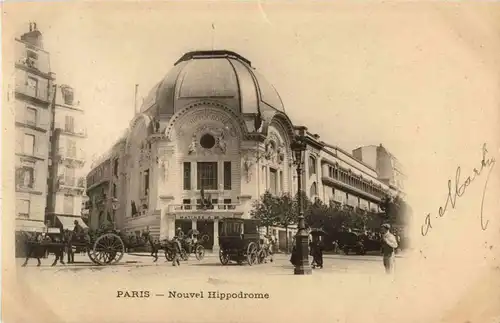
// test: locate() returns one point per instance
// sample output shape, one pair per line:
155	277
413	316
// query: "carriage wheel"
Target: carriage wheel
90	254
199	252
261	256
169	254
252	253
224	257
108	249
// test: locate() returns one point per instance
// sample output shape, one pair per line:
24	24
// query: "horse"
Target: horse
37	246
169	246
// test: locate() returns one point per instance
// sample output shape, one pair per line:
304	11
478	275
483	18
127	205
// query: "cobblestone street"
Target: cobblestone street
338	289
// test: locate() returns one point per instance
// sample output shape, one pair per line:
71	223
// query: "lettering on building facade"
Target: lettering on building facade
198	217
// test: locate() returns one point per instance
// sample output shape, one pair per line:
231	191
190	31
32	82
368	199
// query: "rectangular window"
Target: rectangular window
273	188
115	193
312	165
31	59
68	204
207	175
115	167
227	175
71	148
32	86
29	144
187	204
281	181
25	177
31	116
146	183
23	208
69	124
187	176
69	176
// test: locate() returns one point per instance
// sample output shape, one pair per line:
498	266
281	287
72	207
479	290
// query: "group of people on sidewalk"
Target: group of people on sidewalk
389	244
316	248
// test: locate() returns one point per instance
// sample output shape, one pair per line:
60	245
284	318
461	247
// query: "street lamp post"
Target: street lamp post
302	266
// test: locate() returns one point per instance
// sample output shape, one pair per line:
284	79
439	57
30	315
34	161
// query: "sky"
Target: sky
400	75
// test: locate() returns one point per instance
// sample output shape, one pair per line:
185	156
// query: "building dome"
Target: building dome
219	75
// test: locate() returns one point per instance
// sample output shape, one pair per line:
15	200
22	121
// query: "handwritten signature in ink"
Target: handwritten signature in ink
459	189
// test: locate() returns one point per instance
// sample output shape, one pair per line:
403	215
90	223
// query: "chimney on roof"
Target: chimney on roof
33	37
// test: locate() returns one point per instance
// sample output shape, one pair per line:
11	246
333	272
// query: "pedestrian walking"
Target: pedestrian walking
389	244
317	252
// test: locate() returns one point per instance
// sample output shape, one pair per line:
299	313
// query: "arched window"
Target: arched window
312	165
314	190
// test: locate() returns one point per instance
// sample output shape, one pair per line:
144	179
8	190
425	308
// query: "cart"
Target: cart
239	241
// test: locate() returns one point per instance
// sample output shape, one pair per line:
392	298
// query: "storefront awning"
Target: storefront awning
30	226
68	222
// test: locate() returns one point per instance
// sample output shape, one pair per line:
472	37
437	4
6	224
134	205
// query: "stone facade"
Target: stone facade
66	181
389	169
222	128
33	84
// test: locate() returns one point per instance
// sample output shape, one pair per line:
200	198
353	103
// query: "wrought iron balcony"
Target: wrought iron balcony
71	183
39	93
74	132
72	157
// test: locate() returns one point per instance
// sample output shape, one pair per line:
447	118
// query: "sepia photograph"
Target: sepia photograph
220	161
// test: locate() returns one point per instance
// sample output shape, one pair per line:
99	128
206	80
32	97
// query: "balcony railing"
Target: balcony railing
72	131
71	156
37	93
71	182
208	208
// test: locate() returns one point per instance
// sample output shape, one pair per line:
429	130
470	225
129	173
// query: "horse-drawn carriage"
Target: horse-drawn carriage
239	241
190	244
103	248
358	242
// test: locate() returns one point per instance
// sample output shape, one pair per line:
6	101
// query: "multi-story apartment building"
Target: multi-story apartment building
215	124
33	87
389	169
66	181
104	188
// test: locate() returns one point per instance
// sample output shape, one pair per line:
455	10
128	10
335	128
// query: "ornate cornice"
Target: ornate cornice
216	106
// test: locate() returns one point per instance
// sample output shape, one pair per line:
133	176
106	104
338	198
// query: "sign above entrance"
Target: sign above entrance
198	217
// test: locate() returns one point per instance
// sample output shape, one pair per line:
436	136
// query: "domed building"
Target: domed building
214	130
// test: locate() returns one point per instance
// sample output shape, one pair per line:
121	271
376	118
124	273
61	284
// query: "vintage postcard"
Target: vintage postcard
250	161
